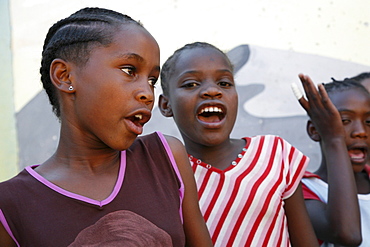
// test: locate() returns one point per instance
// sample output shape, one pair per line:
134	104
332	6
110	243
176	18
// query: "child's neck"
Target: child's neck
362	182
219	156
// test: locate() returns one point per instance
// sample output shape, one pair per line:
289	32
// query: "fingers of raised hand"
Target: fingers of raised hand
324	97
318	104
299	95
316	97
297	92
309	88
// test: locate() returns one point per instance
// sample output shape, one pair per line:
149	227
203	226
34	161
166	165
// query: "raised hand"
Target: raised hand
322	112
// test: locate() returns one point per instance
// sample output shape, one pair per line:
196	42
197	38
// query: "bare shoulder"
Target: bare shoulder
173	141
179	153
177	147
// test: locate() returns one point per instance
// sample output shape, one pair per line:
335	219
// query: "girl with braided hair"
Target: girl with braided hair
104	185
337	194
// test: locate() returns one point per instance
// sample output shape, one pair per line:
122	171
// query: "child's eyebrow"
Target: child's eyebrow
189	72
131	56
194	72
136	57
225	70
344	110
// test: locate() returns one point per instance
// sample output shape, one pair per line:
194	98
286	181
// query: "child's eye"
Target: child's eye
225	84
190	84
152	81
345	121
129	70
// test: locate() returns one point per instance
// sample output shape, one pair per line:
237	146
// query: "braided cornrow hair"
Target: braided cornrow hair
361	77
169	66
72	39
338	86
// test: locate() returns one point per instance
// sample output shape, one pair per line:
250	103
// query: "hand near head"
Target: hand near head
331	220
323	114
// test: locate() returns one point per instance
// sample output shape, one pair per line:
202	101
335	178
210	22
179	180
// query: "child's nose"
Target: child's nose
359	130
145	93
211	91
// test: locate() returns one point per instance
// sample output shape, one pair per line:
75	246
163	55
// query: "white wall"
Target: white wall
337	29
8	143
323	38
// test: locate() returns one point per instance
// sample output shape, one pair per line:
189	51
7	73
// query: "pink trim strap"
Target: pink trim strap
176	169
6	226
117	187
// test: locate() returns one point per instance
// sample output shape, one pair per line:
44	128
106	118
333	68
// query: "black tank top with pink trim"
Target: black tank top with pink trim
143	210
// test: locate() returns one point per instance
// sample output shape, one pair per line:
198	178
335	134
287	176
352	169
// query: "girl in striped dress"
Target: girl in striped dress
248	188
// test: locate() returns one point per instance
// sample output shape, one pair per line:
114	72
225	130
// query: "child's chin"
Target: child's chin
357	168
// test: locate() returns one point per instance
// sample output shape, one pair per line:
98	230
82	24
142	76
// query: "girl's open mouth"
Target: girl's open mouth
136	122
211	114
358	155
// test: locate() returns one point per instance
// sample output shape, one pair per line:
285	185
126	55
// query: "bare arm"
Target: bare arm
5	239
332	222
301	232
194	226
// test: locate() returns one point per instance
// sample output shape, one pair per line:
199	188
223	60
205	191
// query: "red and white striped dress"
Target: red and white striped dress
243	205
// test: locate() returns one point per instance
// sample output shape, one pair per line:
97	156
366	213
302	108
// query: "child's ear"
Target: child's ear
165	106
60	75
312	132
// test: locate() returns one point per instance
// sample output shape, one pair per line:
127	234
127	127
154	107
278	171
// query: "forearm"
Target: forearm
344	227
301	232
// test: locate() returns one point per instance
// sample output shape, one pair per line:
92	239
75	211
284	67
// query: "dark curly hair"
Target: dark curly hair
169	66
73	38
361	77
338	86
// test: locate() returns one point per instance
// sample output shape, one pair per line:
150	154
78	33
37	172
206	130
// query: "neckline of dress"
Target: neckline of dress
234	163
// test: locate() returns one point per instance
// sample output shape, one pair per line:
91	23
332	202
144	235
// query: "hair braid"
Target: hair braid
361	77
338	86
72	39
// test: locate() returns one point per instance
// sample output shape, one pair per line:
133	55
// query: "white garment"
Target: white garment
320	188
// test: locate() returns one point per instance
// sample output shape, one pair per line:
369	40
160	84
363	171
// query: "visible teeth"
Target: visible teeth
211	109
139	116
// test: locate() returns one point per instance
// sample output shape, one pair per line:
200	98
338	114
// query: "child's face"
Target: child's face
354	108
203	97
113	92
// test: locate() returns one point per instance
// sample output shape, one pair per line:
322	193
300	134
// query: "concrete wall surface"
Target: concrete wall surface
8	143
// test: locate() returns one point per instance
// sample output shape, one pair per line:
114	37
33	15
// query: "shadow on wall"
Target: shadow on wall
37	130
266	103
